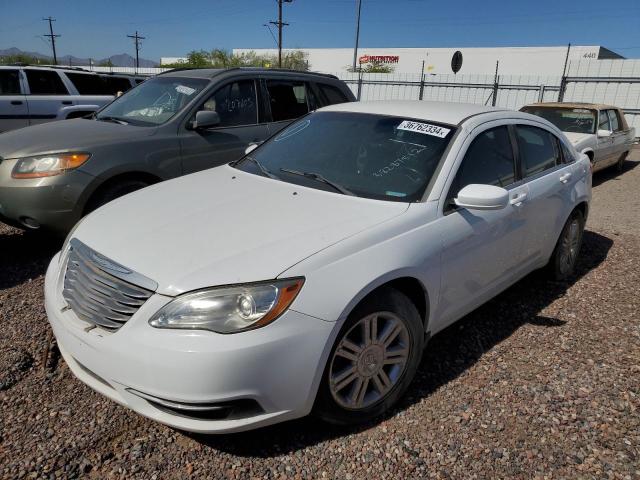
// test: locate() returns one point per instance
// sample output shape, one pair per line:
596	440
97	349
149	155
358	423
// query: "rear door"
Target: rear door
46	96
549	181
13	103
287	100
237	104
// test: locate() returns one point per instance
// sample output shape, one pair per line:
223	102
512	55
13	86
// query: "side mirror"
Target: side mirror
482	197
206	119
250	148
602	133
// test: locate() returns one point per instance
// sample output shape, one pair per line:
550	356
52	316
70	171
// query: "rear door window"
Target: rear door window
45	82
88	84
288	99
332	94
116	84
539	149
613	120
10	82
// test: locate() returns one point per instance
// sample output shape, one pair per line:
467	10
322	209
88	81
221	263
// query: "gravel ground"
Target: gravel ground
542	382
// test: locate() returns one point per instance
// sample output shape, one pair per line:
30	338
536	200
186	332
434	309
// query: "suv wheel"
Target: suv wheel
373	360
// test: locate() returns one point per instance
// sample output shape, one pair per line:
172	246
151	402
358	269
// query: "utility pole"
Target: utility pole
52	37
280	24
563	79
137	39
355	50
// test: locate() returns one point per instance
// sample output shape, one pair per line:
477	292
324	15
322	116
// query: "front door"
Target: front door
618	135
237	105
605	150
481	248
13	104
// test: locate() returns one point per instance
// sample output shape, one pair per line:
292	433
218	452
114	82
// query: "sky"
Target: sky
97	29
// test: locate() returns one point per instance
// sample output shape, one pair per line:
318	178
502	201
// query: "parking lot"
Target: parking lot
543	381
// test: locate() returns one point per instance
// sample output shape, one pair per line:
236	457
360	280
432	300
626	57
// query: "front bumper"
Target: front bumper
53	203
277	367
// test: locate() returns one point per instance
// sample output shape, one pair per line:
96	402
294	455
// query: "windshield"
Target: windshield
577	120
154	101
372	156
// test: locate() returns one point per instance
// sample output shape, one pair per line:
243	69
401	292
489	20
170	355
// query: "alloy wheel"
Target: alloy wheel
570	246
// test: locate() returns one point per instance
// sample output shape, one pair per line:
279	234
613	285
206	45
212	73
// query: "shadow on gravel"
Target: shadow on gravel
448	355
613	173
24	255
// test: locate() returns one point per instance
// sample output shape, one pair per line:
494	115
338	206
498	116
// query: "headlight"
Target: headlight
48	165
229	309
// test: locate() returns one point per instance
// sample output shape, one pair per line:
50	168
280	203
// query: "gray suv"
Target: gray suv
173	124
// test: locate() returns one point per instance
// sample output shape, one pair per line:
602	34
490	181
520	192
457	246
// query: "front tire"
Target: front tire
565	255
112	192
373	360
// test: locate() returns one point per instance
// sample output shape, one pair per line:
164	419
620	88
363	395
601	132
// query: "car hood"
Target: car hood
579	139
66	135
225	226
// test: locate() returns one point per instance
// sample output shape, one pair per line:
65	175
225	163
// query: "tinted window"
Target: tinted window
567	154
373	156
603	121
88	84
488	161
578	120
116	84
9	82
45	82
538	148
235	103
288	99
613	119
332	94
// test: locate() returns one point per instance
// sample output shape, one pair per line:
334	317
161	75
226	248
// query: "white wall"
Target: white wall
513	60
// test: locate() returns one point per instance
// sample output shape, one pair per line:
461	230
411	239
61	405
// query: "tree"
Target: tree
374	66
218	58
22	58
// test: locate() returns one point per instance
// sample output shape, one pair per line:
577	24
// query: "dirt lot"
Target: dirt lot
544	381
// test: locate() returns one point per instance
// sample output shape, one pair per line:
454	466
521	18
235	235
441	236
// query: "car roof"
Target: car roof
595	106
443	112
212	72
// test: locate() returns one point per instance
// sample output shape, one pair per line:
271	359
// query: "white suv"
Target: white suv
31	95
309	275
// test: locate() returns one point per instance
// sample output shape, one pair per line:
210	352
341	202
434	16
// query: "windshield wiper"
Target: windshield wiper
319	178
261	167
113	119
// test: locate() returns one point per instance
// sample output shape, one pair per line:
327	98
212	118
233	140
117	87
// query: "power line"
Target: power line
52	37
280	24
275	40
137	41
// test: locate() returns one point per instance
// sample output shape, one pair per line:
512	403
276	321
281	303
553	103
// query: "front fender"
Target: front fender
64	112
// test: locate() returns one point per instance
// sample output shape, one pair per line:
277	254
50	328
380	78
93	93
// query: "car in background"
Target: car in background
175	123
119	83
31	95
309	275
599	131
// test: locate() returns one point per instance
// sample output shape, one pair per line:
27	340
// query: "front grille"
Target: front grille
100	291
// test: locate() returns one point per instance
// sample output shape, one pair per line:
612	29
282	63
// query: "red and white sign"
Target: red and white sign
379	59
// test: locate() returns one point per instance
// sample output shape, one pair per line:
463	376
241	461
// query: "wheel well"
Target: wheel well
583	208
413	289
149	178
589	153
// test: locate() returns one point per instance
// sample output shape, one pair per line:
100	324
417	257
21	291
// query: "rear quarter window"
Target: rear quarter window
88	84
332	94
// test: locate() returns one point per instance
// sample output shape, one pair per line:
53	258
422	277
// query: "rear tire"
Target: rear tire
112	192
373	360
563	260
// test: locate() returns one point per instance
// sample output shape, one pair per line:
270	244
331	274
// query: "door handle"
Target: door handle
565	178
16	102
518	199
67	102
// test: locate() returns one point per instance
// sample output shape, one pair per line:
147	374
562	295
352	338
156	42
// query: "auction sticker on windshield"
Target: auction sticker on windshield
424	128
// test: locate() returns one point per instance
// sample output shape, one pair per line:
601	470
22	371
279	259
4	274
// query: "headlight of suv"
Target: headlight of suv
229	309
48	165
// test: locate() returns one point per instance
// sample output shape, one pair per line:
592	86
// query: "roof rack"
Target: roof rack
268	69
39	65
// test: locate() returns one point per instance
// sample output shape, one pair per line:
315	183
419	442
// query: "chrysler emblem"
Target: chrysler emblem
108	264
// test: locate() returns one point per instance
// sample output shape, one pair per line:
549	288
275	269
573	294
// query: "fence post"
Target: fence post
421	82
563	87
495	86
359	84
541	93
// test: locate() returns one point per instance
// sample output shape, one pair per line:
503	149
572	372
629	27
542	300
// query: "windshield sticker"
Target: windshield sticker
424	128
395	194
290	132
183	89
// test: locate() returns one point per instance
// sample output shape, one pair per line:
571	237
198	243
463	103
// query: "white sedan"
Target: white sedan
309	275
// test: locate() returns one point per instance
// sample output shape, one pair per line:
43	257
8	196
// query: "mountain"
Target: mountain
120	60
